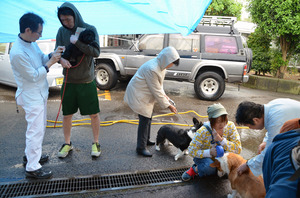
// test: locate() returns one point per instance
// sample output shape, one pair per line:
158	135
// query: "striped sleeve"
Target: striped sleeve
233	143
200	142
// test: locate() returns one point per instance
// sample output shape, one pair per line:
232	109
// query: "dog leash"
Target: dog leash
219	147
65	83
182	118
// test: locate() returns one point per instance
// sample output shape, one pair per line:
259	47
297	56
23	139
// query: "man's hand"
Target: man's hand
73	39
65	63
242	169
60	49
172	109
261	147
54	59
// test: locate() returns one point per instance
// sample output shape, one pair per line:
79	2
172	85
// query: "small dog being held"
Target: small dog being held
247	185
180	138
72	52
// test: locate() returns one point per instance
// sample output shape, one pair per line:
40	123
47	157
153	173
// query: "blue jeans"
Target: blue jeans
203	166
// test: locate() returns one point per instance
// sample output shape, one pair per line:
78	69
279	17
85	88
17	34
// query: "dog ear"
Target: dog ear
216	163
196	122
200	124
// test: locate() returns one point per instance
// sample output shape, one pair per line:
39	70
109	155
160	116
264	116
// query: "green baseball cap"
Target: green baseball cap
216	110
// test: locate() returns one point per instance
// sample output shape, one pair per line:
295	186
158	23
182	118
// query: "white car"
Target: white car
54	77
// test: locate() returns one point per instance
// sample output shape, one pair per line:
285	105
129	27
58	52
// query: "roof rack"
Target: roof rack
217	21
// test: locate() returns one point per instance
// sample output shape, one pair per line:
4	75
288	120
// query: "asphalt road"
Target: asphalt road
118	141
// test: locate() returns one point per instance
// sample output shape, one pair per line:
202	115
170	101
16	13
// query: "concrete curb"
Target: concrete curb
273	84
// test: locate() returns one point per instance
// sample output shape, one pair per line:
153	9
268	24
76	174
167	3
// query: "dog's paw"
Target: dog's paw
157	148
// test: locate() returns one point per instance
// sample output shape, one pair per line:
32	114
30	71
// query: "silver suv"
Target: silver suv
209	57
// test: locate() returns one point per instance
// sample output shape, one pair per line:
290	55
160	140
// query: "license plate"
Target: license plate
59	81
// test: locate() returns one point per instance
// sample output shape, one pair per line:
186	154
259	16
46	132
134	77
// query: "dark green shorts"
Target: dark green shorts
83	96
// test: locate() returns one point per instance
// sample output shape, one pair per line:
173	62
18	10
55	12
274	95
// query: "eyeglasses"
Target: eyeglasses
40	33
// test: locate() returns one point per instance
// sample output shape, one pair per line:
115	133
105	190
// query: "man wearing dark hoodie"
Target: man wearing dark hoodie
79	89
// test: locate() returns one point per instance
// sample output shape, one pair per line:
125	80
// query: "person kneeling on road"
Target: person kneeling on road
211	140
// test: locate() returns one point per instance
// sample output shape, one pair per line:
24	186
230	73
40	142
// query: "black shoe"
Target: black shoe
44	158
150	143
144	152
39	174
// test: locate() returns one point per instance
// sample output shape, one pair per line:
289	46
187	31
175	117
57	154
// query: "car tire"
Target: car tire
105	76
209	86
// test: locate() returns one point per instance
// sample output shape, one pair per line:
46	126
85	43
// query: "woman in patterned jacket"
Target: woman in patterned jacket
203	148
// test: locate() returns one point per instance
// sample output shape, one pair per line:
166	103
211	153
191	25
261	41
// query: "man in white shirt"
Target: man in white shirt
270	116
30	66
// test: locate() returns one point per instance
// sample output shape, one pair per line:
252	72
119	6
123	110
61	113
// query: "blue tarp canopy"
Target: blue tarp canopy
108	16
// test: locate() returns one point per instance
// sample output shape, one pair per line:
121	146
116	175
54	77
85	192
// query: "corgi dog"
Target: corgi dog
247	185
180	138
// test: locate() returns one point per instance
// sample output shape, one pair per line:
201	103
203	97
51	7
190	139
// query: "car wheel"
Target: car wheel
106	77
209	86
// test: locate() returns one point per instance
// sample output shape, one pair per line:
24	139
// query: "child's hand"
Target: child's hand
213	151
217	136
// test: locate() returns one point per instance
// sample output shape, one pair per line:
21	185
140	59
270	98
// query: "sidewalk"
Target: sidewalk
273	84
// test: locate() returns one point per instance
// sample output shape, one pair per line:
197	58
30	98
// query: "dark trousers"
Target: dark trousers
143	131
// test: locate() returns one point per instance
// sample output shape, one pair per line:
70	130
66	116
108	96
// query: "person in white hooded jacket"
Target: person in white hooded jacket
144	89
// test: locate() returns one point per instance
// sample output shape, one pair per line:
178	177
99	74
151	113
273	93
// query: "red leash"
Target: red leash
65	83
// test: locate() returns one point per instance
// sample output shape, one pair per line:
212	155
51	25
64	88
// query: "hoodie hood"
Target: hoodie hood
78	21
166	56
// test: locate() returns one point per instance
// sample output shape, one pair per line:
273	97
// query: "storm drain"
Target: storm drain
89	184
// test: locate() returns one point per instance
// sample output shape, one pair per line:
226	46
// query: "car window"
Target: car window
220	44
189	43
152	42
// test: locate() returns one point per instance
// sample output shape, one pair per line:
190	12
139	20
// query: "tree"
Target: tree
279	19
260	45
225	8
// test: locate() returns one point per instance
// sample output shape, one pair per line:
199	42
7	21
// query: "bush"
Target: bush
260	45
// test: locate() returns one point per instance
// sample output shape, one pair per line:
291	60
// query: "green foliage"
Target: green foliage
225	8
260	45
280	20
276	61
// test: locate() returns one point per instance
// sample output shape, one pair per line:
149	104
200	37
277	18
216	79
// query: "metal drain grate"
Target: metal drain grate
92	183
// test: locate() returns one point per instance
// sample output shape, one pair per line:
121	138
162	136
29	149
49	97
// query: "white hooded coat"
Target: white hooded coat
146	86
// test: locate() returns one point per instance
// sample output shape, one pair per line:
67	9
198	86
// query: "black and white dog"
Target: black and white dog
72	52
180	138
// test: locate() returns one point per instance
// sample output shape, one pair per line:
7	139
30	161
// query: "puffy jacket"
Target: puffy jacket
146	86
